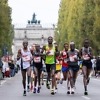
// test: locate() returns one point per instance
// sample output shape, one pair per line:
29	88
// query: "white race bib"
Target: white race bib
71	58
64	53
86	57
37	59
51	52
26	58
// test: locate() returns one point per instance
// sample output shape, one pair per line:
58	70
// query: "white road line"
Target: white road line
87	98
9	78
2	82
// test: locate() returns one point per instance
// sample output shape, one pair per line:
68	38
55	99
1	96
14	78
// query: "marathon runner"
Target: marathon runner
73	55
26	56
37	59
86	56
50	63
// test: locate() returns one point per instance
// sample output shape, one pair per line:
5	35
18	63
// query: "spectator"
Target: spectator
1	64
93	65
5	69
98	66
12	68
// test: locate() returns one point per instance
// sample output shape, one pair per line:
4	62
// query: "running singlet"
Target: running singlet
26	58
50	58
64	57
73	55
37	59
86	53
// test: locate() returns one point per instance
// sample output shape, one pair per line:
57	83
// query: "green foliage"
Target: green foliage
6	29
79	19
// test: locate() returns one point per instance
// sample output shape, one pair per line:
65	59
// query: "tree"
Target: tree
77	20
6	28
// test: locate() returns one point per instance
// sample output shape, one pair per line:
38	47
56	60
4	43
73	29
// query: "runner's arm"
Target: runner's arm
91	53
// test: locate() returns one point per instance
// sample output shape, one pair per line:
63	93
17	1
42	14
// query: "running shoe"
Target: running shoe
42	83
56	90
34	91
85	93
24	93
68	92
72	91
52	91
38	90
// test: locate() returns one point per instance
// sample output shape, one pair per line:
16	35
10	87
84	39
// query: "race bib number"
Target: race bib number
37	59
86	57
26	58
71	59
51	52
64	53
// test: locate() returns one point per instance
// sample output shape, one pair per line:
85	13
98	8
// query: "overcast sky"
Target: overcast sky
46	10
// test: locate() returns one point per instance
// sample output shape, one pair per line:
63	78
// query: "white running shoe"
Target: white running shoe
72	91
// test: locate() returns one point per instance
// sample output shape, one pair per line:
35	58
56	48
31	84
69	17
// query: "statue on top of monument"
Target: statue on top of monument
34	20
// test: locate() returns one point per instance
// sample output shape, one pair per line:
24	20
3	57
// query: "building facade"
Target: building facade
34	33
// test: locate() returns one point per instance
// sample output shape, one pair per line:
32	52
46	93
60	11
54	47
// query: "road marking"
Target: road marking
2	82
9	78
87	98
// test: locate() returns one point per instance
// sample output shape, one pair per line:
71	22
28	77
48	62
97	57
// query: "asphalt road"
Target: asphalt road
11	89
